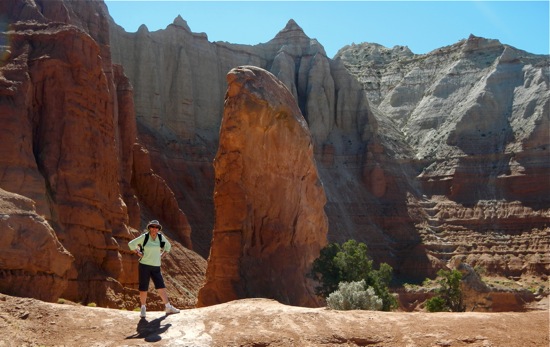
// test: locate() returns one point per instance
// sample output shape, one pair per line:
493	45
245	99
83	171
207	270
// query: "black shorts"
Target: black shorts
147	272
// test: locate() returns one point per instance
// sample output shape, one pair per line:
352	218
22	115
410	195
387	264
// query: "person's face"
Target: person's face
154	228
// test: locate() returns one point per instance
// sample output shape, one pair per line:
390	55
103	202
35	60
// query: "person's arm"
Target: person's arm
134	244
167	245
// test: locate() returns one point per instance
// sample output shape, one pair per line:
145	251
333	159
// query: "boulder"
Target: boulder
30	251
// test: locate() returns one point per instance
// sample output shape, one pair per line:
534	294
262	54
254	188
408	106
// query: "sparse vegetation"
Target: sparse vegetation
411	286
349	262
428	282
436	304
535	285
480	270
92	304
354	296
449	296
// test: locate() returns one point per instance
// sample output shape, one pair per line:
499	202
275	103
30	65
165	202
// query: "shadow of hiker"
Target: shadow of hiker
150	331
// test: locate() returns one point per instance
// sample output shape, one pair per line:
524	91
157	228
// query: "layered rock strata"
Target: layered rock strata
69	146
476	116
270	223
468	122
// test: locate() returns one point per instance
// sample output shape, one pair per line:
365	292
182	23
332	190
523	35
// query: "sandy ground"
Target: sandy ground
262	323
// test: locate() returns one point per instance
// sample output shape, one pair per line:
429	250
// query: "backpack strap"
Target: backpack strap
142	247
162	243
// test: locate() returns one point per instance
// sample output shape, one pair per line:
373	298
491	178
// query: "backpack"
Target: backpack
142	248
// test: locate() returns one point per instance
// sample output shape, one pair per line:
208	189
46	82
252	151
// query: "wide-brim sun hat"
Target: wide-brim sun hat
154	222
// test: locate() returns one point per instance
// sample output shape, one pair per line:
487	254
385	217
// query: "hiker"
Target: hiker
150	247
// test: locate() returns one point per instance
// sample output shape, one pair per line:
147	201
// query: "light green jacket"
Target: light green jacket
152	252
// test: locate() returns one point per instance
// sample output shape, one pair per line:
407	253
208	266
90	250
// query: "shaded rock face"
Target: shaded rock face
178	106
62	95
270	223
68	146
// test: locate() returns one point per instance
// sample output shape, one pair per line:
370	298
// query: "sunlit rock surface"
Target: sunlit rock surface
270	223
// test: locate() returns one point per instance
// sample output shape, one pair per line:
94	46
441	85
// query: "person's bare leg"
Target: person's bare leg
143	298
163	295
169	308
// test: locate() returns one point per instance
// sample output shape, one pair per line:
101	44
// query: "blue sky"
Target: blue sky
421	25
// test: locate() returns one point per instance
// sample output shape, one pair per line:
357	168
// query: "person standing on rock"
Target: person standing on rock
150	247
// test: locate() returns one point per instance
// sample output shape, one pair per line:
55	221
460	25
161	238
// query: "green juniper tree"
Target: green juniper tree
449	296
349	262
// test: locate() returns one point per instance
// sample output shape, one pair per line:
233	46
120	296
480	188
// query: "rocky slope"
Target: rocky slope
262	322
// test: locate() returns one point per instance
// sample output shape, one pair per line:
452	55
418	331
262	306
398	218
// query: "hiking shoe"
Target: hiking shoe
171	309
143	311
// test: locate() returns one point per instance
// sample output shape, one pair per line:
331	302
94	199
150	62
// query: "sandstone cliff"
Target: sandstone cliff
30	251
270	223
69	145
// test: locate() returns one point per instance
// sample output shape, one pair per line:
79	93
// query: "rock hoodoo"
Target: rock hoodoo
270	224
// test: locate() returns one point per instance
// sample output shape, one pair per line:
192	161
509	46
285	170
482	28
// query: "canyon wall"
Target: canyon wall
477	117
185	81
70	147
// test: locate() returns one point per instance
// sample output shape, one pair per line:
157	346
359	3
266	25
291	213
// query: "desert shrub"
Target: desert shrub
436	304
354	296
349	262
449	296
